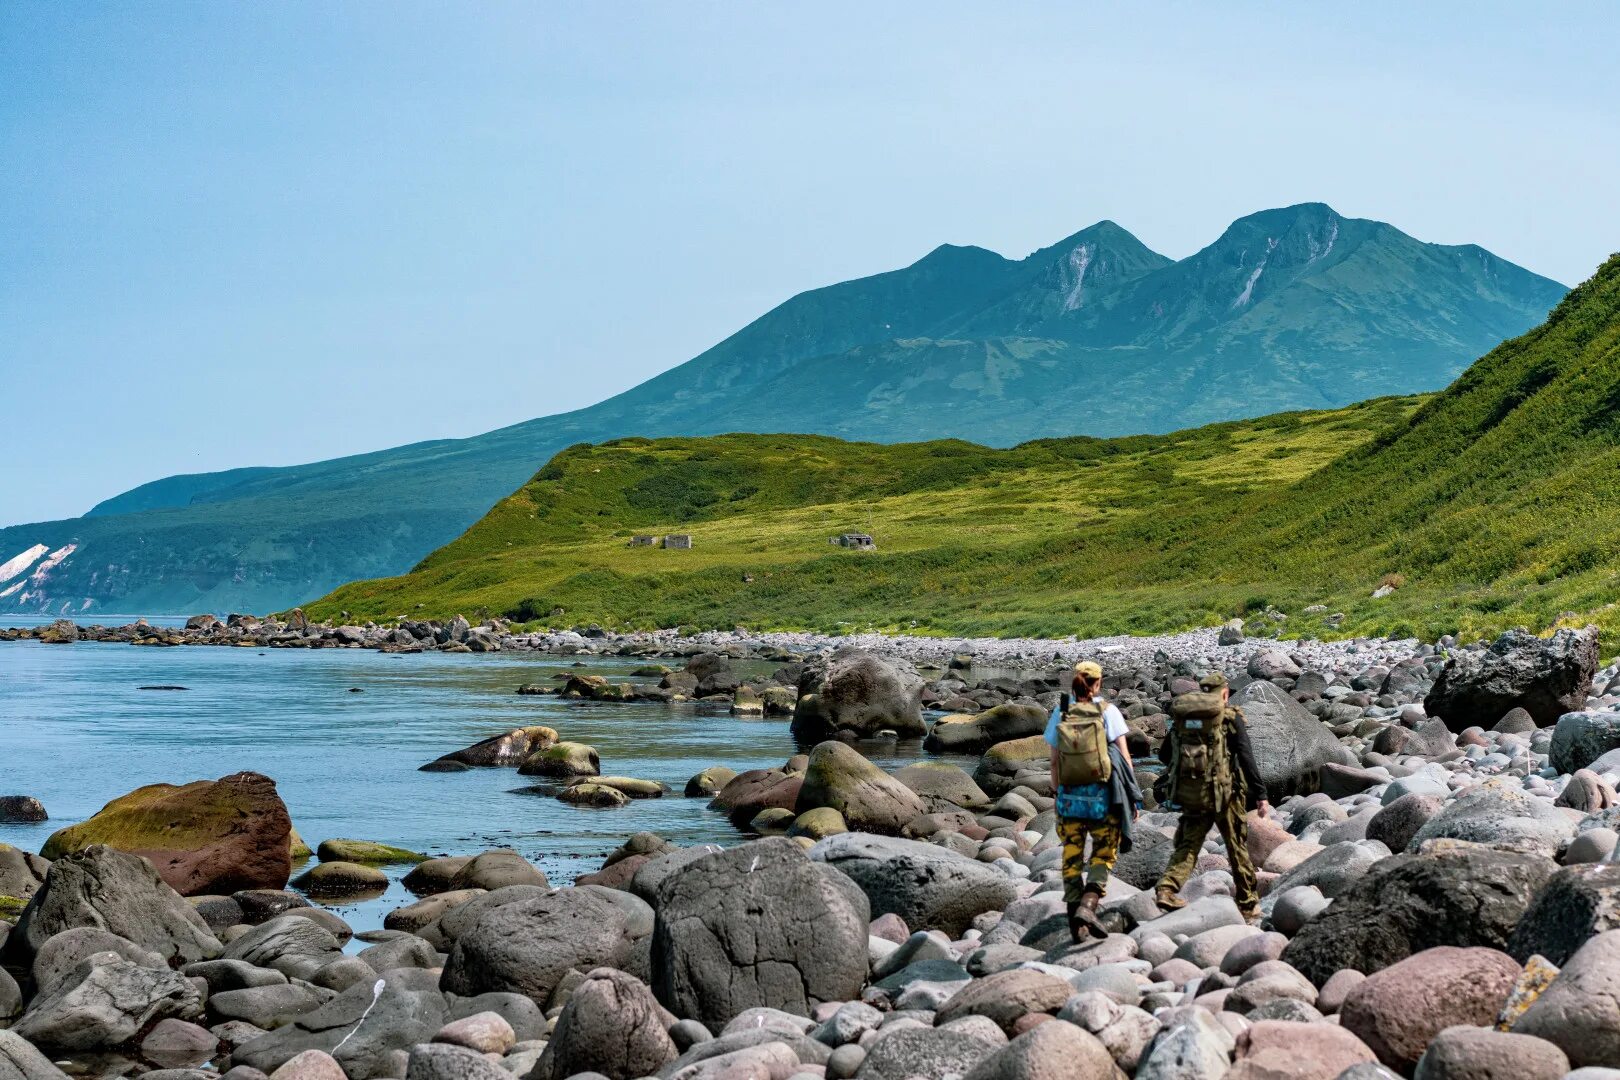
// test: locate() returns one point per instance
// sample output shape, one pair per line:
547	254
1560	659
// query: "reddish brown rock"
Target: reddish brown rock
1399	1010
1277	1049
209	837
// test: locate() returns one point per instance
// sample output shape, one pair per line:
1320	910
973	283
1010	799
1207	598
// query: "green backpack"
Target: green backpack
1082	744
1200	765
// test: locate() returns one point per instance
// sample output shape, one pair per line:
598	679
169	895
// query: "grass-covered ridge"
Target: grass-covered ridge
964	531
1492	504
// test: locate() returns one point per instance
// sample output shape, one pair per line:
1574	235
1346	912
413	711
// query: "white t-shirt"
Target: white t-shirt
1113	723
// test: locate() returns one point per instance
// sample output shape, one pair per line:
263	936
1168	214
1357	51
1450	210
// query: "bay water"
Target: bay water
343	733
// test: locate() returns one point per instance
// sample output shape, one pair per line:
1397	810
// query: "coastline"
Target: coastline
1212	645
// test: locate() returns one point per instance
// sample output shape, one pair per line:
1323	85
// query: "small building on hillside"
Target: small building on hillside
678	541
643	541
858	541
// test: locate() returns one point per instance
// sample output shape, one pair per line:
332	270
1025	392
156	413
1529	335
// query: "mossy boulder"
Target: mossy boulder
942	785
297	848
11	907
366	851
976	734
591	793
772	821
563	759
870	800
341	879
999	768
709	781
817	823
747	702
207	837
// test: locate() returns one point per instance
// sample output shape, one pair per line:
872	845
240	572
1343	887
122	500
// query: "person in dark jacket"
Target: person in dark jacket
1248	793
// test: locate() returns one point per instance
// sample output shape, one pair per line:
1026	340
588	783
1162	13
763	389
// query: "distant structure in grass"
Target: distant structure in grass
678	542
858	541
643	541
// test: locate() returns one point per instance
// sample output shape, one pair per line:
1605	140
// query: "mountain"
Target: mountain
1297	308
1489	505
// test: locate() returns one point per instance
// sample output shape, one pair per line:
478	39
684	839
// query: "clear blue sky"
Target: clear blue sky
266	233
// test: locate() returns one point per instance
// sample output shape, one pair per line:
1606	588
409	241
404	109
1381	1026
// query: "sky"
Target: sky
269	233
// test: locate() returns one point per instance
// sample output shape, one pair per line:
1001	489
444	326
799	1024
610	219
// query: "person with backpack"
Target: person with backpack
1211	777
1096	794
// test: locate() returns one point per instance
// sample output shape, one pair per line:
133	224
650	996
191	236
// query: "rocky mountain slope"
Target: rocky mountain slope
1288	309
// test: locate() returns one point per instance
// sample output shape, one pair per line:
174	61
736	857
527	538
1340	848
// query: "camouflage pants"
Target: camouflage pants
1190	833
1079	873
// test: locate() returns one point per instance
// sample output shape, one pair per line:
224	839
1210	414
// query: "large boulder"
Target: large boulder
869	799
365	1028
116	892
1290	745
611	1025
105	1003
1580	1012
911	1052
1580	738
1546	677
976	734
1575	905
527	947
1460	895
209	837
1501	814
513	748
1000	767
930	887
856	694
756	925
1398	1010
942	785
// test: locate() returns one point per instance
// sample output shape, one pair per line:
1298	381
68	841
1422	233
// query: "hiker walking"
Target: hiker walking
1097	796
1211	777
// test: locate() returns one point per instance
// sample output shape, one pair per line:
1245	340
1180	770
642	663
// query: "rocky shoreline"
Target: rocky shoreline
1441	896
458	635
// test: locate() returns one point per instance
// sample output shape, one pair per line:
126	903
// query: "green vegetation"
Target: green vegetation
1488	505
1095	334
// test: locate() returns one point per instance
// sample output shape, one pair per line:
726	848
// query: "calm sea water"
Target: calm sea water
75	732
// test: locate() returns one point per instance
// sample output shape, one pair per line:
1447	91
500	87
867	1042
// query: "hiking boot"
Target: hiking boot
1083	923
1168	900
1250	913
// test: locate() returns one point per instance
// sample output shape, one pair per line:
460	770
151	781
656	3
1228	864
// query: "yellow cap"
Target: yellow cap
1089	669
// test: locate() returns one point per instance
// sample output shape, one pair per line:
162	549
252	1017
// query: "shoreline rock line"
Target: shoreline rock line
1440	898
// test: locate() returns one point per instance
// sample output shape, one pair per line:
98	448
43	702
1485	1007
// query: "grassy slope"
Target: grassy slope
965	531
1494	502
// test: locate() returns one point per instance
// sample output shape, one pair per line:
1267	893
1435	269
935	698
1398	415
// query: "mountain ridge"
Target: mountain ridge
1485	506
890	357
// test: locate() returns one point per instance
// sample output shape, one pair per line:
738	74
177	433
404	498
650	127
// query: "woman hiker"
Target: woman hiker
1097	795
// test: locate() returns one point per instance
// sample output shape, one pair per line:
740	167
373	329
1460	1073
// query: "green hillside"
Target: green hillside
1294	308
1490	504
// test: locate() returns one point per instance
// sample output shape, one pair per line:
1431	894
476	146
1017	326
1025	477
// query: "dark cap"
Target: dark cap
1213	680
